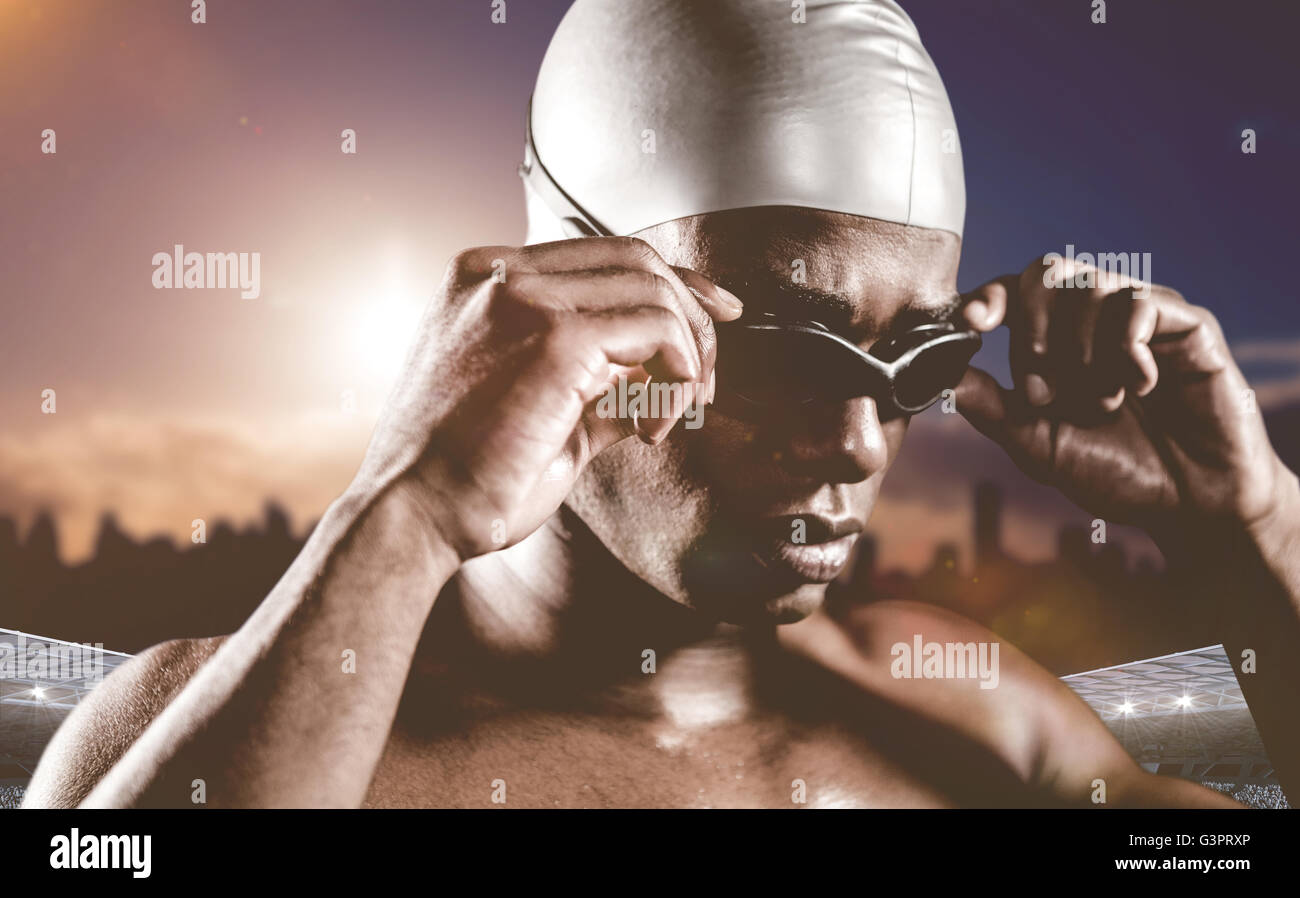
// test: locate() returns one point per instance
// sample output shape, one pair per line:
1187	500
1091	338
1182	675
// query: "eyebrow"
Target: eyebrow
832	309
911	316
839	313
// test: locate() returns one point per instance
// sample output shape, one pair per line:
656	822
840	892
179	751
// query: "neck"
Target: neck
561	592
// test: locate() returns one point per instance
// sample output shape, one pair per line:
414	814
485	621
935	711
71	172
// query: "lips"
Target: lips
823	553
814	562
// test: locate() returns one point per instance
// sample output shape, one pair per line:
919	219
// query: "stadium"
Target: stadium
1184	715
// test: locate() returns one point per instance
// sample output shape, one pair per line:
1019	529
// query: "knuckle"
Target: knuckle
1171	295
706	338
1044	273
1209	324
459	266
1035	269
654	285
570	349
1038	455
662	320
642	254
1135	299
466	261
638	247
470	264
661	314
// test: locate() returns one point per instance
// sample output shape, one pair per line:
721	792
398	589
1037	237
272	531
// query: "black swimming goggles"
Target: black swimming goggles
765	364
768	364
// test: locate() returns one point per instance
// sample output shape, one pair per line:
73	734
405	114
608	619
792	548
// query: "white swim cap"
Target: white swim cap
650	110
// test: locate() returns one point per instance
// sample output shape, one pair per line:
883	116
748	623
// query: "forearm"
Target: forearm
1252	576
277	717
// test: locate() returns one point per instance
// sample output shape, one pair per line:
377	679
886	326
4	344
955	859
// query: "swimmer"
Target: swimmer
520	597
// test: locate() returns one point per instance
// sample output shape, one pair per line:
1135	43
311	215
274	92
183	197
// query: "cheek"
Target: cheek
894	431
636	484
722	451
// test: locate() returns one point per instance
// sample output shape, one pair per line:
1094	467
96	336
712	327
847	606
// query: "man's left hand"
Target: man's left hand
1125	398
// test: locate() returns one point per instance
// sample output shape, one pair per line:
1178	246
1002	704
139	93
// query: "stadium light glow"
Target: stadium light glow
38	692
1127	708
1184	702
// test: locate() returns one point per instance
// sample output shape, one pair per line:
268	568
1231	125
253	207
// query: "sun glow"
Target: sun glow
385	322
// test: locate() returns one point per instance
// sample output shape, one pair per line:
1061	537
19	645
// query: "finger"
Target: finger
594	253
648	336
627	253
571	370
985	307
1004	417
1031	316
1085	314
720	303
1185	339
698	317
655	403
593	291
667	404
661	409
983	402
588	252
1076	380
1122	358
605	430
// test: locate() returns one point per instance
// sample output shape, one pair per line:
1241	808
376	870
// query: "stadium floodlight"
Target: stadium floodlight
1184	702
38	692
1127	708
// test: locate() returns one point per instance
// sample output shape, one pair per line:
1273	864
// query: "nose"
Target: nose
842	442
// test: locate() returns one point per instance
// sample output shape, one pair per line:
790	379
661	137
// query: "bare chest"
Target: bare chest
550	759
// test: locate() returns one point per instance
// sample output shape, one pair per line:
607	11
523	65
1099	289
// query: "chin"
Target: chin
750	609
794	607
742	580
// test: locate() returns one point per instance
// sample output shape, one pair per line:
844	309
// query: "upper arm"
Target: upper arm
109	720
997	711
1039	727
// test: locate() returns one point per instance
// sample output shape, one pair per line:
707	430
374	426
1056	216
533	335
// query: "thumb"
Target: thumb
1005	418
983	402
985	307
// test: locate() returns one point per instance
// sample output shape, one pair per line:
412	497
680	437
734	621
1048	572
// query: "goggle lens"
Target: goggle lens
775	364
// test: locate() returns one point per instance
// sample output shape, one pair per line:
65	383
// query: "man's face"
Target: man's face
712	517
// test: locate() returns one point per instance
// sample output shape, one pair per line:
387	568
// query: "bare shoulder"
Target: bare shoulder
106	723
984	687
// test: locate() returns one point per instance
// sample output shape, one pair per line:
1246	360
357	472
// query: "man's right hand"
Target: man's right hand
494	416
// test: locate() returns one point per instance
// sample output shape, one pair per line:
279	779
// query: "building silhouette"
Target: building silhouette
988	524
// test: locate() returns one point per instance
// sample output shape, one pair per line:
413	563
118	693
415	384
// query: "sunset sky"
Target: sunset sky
225	137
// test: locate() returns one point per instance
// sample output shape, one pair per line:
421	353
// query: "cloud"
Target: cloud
158	474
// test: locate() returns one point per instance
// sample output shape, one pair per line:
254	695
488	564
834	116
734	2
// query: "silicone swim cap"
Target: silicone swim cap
650	110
